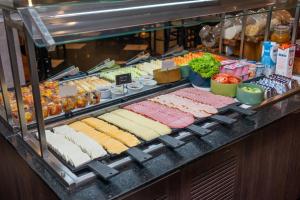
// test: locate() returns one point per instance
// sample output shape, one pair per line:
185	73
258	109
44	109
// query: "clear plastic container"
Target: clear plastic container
68	103
281	34
256	23
82	100
94	97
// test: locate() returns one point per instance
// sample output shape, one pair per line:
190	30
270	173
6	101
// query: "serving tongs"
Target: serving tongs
138	58
70	71
175	51
106	64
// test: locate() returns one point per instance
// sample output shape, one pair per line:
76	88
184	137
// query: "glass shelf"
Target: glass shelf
68	22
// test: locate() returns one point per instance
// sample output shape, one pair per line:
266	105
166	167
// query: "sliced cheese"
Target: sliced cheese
111	145
68	151
138	130
87	144
122	136
161	129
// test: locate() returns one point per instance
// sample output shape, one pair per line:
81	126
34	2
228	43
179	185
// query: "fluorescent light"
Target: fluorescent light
30	3
132	8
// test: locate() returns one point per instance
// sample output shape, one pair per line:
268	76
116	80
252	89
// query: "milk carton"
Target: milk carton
269	57
285	60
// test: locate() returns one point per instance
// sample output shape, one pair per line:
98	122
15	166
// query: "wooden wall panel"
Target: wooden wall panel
214	177
267	161
17	180
167	188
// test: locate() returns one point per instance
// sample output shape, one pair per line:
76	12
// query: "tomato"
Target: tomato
223	74
226	79
221	79
233	80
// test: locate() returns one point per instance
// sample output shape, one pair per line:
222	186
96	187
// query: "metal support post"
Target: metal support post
222	33
244	21
5	95
296	22
15	73
34	78
268	23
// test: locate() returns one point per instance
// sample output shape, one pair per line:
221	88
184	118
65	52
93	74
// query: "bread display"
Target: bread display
111	145
111	130
87	145
159	128
138	130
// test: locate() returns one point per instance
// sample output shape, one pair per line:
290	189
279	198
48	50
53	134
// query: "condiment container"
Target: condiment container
135	86
223	89
281	34
250	94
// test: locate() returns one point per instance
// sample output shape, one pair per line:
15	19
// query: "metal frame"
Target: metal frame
36	94
66	176
268	24
296	22
244	20
8	114
15	72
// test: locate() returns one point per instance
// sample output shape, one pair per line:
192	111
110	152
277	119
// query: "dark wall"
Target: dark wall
17	180
265	166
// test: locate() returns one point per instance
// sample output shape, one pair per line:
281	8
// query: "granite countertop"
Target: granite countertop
135	176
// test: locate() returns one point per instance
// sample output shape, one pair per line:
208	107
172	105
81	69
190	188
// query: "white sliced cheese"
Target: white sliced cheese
87	145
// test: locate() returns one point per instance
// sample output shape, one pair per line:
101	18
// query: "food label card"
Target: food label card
168	64
67	90
123	79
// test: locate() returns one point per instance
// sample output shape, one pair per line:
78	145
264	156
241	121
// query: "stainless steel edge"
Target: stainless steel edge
222	33
36	94
244	23
268	23
42	29
296	23
15	73
5	95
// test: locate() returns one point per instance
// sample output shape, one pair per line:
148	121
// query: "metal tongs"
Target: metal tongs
175	51
102	65
70	71
139	57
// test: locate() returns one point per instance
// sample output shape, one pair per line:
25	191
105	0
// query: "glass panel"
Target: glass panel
80	22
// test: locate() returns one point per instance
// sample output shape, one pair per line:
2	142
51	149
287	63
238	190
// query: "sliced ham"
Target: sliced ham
204	97
186	105
171	117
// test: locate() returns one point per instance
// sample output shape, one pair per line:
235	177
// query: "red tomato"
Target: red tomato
233	80
221	79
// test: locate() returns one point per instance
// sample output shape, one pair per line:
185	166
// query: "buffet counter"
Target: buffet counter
228	161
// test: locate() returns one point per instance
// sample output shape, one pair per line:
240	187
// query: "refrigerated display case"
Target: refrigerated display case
166	157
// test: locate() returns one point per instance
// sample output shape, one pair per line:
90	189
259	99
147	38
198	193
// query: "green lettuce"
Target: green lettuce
206	66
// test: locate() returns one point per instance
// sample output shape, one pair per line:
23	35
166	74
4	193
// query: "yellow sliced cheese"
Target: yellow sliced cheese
136	129
111	130
111	145
161	129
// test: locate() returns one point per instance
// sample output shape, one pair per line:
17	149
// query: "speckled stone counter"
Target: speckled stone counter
169	161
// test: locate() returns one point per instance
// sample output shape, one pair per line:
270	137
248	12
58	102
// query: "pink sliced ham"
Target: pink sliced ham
204	97
171	117
186	105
